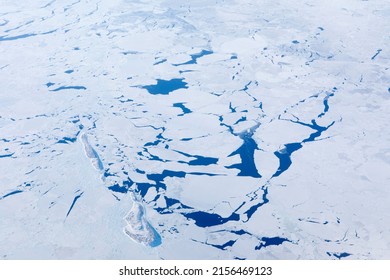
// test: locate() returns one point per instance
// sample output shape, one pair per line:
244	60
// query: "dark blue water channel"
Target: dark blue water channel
284	155
376	54
11	193
183	108
6	38
69	87
165	86
122	188
205	219
7	155
271	241
246	152
73	203
199	160
339	255
194	58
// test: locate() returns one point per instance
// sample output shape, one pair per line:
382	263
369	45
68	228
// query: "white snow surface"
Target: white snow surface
247	129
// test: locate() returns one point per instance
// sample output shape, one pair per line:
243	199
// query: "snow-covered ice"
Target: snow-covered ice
227	129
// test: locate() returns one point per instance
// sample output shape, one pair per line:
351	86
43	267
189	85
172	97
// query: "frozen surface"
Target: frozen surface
139	229
194	129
